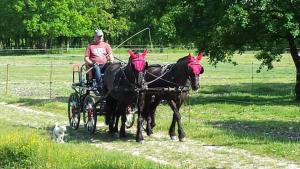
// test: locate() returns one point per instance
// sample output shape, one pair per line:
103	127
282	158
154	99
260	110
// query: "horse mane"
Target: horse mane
181	59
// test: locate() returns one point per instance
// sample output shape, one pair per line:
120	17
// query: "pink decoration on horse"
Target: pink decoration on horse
138	60
193	63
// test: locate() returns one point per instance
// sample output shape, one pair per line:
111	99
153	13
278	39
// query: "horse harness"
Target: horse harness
166	69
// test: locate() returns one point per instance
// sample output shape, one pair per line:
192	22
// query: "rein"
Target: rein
127	80
132	85
167	70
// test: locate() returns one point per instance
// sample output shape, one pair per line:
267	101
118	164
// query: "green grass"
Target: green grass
234	107
31	148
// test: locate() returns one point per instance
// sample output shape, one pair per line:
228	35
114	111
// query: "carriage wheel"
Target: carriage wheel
74	111
90	114
130	116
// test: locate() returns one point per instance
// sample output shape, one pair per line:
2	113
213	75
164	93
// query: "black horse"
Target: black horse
124	87
171	83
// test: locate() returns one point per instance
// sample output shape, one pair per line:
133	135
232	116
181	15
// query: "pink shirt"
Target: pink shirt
98	53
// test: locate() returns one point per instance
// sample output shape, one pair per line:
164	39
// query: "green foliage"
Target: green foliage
18	152
21	147
49	20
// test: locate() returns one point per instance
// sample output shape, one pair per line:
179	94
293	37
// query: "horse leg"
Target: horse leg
122	112
153	110
140	106
147	115
172	133
151	115
116	126
181	133
176	118
110	115
108	109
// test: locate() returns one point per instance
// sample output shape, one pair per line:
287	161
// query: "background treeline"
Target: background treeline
49	23
218	27
70	23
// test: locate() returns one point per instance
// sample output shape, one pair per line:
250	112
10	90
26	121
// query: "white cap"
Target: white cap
99	32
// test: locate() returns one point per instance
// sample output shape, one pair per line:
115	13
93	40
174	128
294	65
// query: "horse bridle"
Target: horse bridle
133	85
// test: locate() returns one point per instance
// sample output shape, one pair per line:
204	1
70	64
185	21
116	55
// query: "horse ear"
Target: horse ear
145	52
132	55
200	55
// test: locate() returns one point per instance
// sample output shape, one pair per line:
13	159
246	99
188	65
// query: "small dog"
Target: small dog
59	133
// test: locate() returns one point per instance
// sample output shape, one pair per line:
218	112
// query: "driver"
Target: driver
97	54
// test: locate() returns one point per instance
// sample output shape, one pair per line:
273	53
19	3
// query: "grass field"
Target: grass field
31	148
235	106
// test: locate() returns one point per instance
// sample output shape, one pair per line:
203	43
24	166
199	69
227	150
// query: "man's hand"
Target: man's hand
110	58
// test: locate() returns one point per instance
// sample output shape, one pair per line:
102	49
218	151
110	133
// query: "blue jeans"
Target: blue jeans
98	69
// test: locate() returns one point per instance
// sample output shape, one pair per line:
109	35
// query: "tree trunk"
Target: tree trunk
17	42
296	59
68	44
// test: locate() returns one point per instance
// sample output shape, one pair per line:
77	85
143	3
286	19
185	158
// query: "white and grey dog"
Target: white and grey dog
59	133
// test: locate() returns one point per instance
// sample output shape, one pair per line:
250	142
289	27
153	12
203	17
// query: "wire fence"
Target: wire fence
53	80
80	49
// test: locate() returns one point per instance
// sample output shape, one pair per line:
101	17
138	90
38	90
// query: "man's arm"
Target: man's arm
110	58
87	59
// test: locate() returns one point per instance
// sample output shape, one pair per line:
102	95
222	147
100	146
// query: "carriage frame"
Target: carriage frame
87	102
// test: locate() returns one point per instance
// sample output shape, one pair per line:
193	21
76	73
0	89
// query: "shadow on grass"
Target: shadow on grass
241	94
81	135
101	135
278	131
260	89
37	102
78	136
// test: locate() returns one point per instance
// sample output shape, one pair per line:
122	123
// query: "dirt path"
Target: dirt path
158	148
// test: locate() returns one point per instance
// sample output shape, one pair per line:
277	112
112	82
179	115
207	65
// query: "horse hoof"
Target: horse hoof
152	126
139	140
149	133
182	139
173	137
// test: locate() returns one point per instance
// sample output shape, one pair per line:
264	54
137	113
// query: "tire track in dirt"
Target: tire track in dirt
195	154
158	148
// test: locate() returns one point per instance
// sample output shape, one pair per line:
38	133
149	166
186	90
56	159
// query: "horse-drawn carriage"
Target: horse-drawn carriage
87	102
133	87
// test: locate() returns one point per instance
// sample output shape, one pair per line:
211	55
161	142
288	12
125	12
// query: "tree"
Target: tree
269	26
222	27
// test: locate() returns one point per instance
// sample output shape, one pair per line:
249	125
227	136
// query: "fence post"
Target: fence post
7	78
50	89
167	56
252	79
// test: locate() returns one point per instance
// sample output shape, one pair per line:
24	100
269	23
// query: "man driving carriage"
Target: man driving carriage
97	54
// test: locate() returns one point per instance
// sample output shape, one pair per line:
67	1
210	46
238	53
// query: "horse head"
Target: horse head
194	69
138	64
